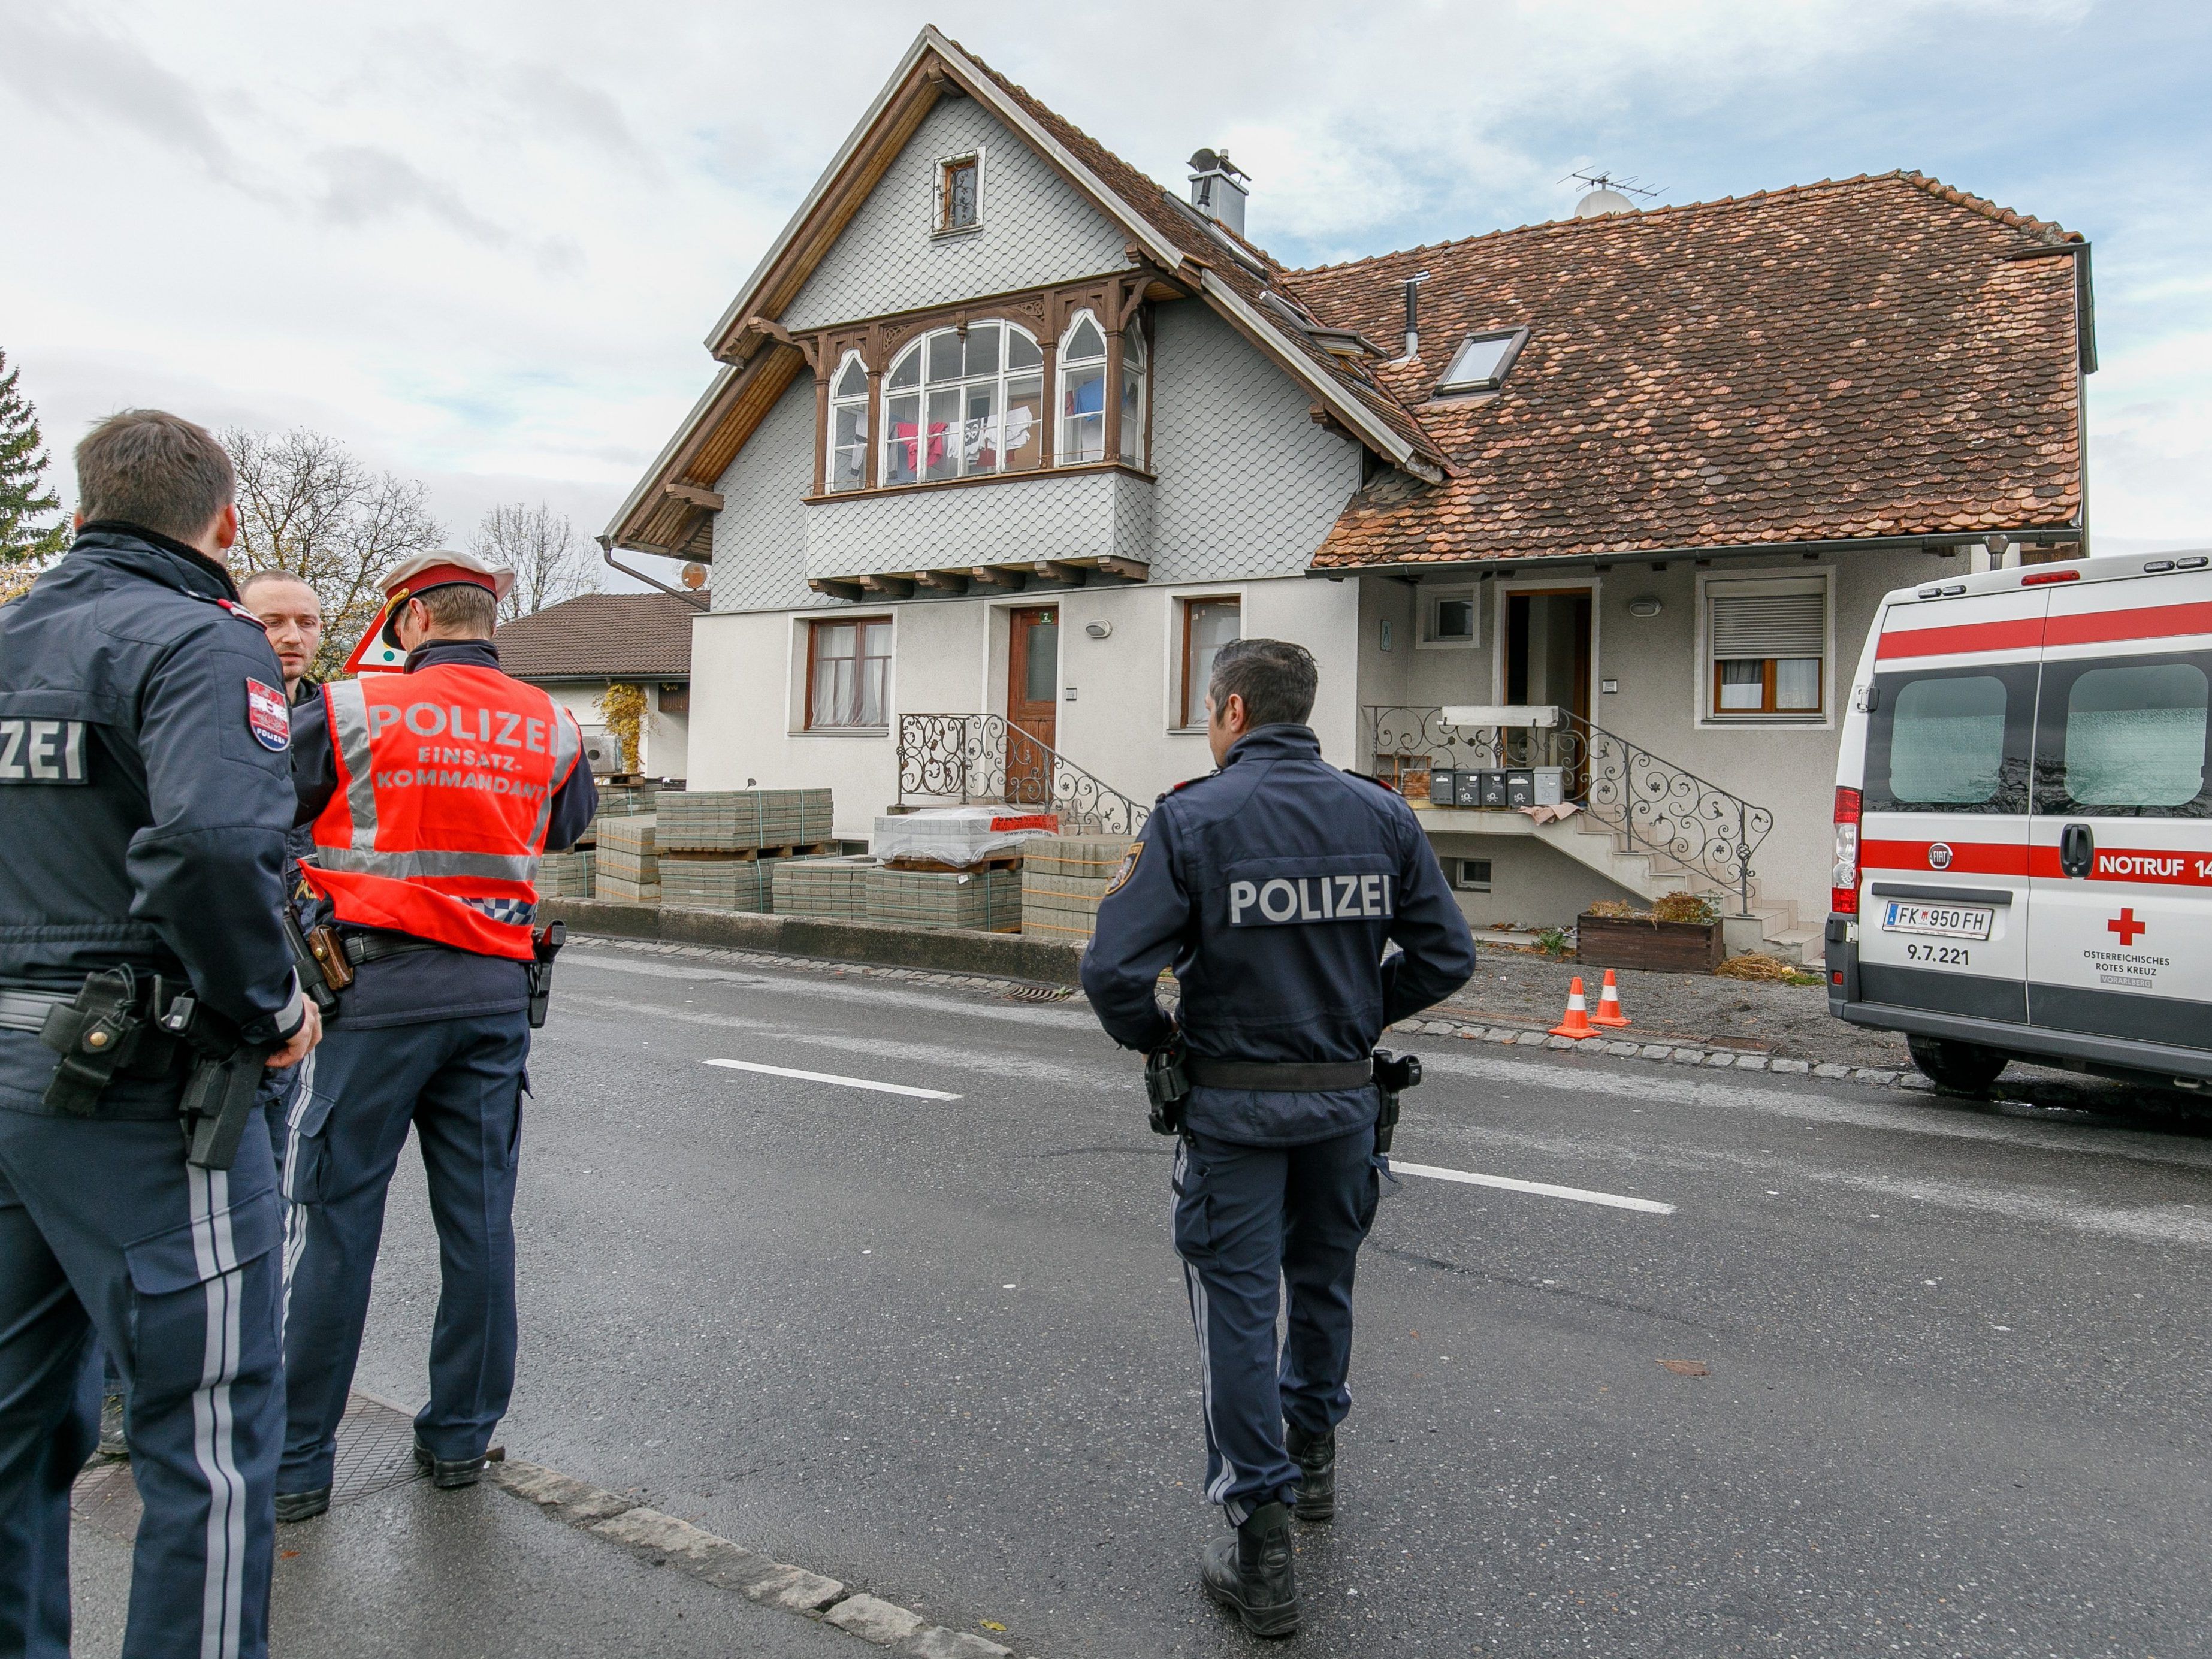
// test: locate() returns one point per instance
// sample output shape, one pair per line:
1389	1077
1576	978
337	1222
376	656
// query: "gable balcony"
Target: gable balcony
1068	527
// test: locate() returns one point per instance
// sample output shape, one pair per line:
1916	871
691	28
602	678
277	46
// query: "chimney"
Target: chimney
1414	314
1215	190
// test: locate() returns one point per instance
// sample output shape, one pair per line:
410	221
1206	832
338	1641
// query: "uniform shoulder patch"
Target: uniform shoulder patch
268	716
1128	868
243	614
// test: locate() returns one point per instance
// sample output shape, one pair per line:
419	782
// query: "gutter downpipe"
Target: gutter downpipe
607	552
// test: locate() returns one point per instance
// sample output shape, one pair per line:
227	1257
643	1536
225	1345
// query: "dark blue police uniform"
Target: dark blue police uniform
1273	887
144	798
437	1038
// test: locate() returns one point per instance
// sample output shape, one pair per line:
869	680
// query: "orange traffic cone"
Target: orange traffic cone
1609	1005
1576	1023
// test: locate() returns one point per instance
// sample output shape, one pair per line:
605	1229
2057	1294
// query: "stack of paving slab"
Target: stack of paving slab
626	867
566	875
1063	878
743	820
720	848
833	887
988	899
617	802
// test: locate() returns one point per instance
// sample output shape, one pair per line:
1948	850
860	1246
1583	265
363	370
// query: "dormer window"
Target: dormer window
959	193
1483	361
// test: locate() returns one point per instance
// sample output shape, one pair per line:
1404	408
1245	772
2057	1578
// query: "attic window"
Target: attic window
1483	361
959	193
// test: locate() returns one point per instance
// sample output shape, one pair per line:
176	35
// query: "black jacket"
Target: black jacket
1273	887
145	791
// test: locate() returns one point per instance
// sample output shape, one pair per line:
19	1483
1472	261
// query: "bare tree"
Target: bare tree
306	506
552	562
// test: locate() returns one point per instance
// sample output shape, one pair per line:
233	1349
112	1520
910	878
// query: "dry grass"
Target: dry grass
1755	964
1671	907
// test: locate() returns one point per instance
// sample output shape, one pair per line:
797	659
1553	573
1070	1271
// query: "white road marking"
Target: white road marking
1542	1190
831	1077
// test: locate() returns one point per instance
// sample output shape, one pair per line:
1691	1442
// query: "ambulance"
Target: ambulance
2023	824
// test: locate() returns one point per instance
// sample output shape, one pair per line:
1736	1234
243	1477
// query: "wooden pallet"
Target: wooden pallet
804	849
938	866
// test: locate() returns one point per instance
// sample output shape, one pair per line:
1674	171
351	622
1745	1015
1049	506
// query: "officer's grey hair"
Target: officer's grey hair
462	610
1276	678
156	470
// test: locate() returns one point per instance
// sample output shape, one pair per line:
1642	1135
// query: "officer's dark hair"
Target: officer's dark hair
156	470
255	579
462	609
1276	679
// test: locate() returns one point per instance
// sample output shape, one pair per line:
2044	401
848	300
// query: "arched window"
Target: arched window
1133	395
848	424
961	406
1082	393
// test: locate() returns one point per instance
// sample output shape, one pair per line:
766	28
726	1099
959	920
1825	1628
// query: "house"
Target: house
578	648
1008	439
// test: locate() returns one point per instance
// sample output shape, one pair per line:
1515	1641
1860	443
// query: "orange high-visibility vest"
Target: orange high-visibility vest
445	779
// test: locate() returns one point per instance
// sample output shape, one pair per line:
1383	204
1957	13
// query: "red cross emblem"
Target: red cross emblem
2127	927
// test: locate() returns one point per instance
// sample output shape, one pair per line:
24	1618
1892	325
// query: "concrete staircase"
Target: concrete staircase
1773	927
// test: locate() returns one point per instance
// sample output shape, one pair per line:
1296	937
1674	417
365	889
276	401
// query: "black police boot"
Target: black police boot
1315	1456
302	1506
1251	1572
113	1443
450	1471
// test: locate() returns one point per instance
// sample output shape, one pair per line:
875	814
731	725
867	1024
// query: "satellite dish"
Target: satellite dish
1599	202
695	576
1204	161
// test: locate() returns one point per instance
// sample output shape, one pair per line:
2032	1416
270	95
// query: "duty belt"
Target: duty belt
375	947
1282	1078
25	1010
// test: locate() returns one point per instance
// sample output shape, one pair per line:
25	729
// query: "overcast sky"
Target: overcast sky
481	241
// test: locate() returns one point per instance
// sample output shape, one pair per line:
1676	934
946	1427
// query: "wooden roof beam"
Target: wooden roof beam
948	581
1012	581
709	499
835	590
890	587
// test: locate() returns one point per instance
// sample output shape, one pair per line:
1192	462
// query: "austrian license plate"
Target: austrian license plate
1947	920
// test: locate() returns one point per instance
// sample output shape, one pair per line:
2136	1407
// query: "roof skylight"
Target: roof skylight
1483	360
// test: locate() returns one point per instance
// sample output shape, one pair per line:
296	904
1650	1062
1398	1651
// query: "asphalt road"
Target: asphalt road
938	1347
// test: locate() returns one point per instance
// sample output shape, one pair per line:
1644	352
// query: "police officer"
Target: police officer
1272	886
145	796
432	794
291	617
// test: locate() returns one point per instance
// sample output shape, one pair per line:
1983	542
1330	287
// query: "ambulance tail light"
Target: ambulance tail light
1843	880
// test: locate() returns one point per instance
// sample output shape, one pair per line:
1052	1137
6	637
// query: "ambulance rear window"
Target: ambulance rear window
1950	741
2134	736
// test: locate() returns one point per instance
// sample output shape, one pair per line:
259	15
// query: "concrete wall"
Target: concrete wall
1531	885
1036	229
1658	662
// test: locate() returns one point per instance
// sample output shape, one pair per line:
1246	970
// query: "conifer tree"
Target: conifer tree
25	502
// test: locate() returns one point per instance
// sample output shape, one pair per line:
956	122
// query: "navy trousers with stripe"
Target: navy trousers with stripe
104	1227
459	1082
1248	1219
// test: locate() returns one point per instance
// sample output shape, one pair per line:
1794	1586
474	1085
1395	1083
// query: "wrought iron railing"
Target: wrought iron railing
963	759
1657	806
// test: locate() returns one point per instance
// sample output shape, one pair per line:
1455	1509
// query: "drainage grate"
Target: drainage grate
376	1451
1040	993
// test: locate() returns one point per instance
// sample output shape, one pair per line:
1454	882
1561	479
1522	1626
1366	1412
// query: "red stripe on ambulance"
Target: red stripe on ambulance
2161	866
2152	622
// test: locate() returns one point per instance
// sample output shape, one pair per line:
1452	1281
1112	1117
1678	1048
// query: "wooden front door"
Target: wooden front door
1032	704
1547	660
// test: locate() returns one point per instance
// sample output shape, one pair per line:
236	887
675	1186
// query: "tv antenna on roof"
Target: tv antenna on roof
1607	194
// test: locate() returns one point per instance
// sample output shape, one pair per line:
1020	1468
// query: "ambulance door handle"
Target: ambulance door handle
2077	850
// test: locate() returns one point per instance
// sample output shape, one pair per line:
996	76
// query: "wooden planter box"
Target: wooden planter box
1661	947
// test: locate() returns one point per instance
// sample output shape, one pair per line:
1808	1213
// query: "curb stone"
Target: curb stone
665	1540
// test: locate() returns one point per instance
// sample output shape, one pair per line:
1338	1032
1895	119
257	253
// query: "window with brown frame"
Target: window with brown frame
1208	625
959	193
1769	646
849	665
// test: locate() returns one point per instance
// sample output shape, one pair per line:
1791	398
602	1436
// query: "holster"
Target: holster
96	1036
546	943
1394	1075
1167	1085
220	1093
318	960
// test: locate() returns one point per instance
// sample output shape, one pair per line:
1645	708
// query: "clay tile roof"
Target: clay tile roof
1863	357
1183	227
645	636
